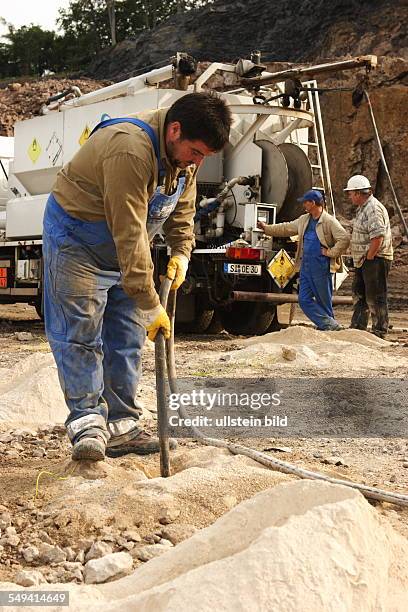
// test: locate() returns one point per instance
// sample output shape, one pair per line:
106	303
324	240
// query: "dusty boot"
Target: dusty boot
142	444
89	449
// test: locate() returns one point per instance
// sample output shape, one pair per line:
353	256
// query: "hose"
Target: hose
385	165
165	353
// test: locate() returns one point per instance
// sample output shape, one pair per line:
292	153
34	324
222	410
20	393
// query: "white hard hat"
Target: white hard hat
357	183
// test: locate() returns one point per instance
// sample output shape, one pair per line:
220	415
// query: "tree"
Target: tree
29	50
110	4
88	27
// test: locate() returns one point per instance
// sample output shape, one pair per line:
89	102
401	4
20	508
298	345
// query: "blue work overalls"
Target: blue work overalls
315	284
91	323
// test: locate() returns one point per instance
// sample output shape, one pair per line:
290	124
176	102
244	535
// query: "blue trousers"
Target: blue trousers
90	322
316	291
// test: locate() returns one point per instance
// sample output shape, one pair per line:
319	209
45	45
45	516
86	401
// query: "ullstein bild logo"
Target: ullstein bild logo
228	421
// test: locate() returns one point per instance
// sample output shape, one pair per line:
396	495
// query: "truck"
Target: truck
238	279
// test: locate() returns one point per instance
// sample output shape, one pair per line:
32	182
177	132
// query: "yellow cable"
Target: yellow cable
57	476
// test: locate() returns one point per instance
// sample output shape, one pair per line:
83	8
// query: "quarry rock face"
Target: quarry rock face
309	31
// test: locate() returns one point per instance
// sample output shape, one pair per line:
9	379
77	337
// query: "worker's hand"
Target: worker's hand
260	225
155	320
177	270
324	252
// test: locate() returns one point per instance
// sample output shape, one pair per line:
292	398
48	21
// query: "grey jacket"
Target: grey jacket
331	234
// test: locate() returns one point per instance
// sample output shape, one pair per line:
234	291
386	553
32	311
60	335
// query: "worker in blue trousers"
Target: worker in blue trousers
321	242
133	178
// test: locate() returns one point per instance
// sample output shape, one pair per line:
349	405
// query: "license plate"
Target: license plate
239	268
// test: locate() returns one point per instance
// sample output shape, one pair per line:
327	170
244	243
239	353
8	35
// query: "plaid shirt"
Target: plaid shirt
371	221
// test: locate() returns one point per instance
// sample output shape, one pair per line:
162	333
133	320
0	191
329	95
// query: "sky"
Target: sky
23	12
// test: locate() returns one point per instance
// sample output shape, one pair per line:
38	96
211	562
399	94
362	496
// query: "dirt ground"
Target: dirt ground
372	461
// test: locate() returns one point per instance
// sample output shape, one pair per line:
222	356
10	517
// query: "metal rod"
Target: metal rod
161	389
4	170
280	298
369	61
385	165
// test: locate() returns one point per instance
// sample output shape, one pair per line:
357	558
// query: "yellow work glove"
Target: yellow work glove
177	270
154	320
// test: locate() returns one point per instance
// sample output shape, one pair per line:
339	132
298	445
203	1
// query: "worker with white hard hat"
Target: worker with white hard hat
133	178
372	252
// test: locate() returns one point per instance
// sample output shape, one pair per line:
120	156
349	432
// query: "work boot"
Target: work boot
379	334
142	444
337	327
89	449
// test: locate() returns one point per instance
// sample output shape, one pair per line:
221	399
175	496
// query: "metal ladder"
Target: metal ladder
318	160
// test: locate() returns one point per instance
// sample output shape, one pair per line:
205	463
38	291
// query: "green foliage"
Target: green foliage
29	50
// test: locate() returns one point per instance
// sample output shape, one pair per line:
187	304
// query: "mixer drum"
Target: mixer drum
286	176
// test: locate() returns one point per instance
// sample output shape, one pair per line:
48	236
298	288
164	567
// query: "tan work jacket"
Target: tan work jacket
331	234
112	178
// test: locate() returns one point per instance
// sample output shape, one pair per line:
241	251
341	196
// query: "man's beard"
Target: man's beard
177	163
170	153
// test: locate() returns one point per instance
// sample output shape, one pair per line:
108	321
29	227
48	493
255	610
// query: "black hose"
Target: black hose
165	351
4	170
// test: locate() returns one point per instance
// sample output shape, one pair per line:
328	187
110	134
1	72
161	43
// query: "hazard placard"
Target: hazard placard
84	135
281	268
34	150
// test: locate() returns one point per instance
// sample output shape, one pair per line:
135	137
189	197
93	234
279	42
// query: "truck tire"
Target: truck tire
247	318
38	308
199	325
275	325
216	325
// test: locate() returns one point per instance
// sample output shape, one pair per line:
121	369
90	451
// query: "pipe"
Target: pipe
167	352
370	61
4	170
120	89
161	387
280	298
384	163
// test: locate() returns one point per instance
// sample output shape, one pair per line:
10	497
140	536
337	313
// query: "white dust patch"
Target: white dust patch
206	483
32	393
315	546
347	350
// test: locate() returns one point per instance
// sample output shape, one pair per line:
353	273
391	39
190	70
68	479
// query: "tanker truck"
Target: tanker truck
276	153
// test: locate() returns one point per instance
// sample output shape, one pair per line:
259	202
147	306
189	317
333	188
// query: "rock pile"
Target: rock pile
316	546
24	100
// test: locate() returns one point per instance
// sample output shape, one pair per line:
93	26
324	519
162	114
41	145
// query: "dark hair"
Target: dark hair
203	116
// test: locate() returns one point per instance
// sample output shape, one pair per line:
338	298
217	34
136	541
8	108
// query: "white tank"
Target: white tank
6	155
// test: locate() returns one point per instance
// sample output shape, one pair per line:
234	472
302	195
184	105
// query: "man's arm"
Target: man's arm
376	230
280	230
375	246
341	240
126	181
179	227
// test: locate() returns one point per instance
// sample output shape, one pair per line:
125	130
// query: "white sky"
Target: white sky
24	12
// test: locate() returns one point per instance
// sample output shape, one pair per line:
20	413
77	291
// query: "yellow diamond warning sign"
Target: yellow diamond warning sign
34	150
281	268
85	135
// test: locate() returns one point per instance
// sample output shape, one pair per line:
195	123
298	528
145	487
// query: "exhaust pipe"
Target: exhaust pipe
281	298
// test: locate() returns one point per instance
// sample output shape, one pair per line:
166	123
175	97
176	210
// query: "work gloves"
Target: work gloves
177	270
155	320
